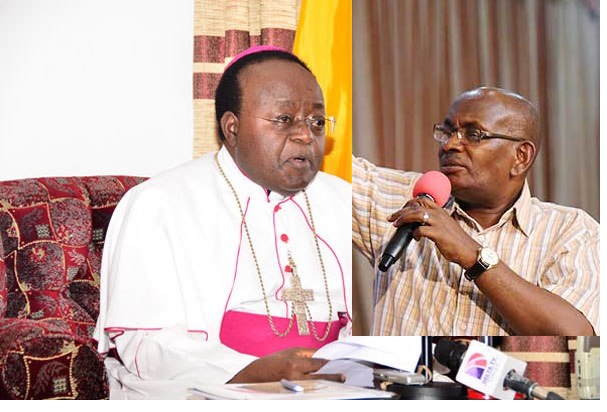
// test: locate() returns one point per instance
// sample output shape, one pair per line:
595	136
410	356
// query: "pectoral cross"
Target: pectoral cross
298	298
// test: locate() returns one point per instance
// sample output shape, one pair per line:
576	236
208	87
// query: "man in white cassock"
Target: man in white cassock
236	266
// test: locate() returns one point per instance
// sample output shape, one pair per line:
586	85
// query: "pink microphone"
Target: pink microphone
435	186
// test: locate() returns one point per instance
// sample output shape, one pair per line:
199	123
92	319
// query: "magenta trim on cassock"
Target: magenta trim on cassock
250	333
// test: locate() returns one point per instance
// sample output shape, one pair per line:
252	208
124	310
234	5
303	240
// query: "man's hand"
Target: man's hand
452	241
292	364
527	308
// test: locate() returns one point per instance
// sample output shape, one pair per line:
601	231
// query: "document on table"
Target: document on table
356	356
314	389
353	357
398	352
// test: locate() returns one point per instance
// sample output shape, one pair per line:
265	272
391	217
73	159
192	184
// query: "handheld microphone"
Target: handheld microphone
435	186
488	370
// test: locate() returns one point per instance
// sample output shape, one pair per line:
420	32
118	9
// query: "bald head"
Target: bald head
518	115
490	172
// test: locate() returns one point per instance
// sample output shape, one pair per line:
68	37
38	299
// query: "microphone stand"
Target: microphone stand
430	390
526	386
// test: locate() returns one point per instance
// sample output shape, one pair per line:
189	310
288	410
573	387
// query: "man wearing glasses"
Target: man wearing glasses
495	262
236	266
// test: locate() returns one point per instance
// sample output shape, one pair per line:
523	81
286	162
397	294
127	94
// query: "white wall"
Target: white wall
95	86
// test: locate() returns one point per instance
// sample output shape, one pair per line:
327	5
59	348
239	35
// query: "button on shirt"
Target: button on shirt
551	246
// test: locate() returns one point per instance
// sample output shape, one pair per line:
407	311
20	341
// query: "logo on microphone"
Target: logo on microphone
484	369
476	365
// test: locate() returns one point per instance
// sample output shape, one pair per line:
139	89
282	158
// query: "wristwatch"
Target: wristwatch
486	259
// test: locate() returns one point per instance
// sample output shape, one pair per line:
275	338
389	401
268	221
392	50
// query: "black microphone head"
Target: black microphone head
450	353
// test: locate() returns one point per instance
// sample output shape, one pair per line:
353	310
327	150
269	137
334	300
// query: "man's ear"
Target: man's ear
525	156
229	127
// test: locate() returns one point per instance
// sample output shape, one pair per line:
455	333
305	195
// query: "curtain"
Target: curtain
411	58
222	29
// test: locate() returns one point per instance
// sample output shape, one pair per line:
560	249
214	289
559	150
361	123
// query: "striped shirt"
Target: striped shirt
551	246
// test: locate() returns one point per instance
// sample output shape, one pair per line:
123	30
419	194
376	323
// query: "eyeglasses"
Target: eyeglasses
442	133
285	123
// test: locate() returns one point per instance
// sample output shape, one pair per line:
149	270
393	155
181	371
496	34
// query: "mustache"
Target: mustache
451	160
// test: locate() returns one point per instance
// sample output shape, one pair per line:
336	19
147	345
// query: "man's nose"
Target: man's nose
454	142
301	132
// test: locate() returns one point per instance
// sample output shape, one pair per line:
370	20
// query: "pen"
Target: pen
292	386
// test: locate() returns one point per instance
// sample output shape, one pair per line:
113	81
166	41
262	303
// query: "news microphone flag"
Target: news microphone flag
323	40
483	368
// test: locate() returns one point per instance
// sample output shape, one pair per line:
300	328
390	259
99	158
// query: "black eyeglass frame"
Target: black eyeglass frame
483	135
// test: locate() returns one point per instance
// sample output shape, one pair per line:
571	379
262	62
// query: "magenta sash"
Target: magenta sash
251	334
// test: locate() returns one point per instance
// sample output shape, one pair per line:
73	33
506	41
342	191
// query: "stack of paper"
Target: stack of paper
398	352
315	389
356	356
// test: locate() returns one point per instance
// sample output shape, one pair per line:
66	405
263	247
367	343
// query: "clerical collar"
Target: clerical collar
277	197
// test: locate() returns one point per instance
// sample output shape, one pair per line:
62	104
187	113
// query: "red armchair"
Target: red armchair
51	240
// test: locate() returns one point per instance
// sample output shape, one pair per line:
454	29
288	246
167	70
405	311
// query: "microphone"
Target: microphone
435	186
488	370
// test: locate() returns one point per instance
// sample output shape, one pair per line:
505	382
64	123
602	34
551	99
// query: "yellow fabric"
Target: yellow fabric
323	40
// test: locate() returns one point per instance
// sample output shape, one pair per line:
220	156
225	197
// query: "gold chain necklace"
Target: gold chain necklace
263	290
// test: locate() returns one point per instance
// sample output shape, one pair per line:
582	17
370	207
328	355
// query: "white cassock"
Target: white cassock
178	263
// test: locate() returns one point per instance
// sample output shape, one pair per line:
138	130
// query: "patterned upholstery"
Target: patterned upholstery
2	283
51	240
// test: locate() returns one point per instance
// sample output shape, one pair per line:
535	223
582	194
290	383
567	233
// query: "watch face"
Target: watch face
489	256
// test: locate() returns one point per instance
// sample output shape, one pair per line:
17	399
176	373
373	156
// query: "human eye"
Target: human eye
317	122
448	125
283	120
445	128
473	134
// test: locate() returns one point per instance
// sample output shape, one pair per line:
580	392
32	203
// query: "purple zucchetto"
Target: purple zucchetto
255	49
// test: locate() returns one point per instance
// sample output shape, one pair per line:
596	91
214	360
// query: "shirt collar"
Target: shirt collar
521	210
519	213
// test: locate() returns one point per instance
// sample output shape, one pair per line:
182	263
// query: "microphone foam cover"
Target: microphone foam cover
434	184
